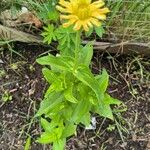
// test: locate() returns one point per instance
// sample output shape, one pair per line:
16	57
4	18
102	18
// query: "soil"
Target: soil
21	78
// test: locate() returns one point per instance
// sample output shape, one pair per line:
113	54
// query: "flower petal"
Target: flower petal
95	21
69	23
77	25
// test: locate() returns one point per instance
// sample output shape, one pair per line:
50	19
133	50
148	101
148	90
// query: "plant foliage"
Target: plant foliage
74	92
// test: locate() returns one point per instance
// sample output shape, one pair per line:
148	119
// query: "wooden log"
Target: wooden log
123	47
11	34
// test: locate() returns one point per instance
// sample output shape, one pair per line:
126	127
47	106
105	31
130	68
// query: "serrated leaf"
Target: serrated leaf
103	81
66	38
85	76
49	137
55	79
49	103
48	34
86	54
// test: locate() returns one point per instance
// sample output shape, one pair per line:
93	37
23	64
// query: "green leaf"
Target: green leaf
66	38
62	63
104	108
86	54
59	144
88	33
49	103
49	34
55	122
99	31
47	126
28	144
86	119
49	137
55	79
49	75
46	10
69	130
67	112
103	81
68	93
84	75
56	110
81	108
110	100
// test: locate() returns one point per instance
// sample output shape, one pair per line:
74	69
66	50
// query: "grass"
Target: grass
129	19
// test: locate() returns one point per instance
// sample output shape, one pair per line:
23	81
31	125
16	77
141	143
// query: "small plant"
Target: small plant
6	97
74	92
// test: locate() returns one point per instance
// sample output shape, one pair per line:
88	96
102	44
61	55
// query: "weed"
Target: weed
6	96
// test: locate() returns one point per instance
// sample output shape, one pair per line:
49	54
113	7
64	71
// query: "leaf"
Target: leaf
48	34
86	54
103	80
104	108
110	100
55	79
66	38
49	75
47	126
62	63
56	110
67	112
85	76
80	110
49	137
100	31
68	93
69	130
86	119
28	143
49	103
89	32
59	144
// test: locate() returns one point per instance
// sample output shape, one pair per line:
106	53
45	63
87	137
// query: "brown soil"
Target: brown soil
24	81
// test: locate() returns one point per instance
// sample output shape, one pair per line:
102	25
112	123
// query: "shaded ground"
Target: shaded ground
21	78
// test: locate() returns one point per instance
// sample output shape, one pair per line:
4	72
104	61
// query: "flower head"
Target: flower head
82	13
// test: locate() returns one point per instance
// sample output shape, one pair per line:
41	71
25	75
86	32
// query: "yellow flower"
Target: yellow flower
82	13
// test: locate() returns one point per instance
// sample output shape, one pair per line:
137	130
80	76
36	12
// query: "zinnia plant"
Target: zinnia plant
74	92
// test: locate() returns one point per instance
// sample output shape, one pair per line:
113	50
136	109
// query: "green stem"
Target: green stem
77	47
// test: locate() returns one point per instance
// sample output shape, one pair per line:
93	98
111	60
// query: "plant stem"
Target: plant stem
77	47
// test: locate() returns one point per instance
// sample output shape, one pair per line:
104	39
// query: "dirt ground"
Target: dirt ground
22	86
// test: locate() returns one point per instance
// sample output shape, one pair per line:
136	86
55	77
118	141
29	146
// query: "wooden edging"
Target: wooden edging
120	48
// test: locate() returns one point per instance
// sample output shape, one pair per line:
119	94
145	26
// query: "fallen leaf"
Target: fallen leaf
30	18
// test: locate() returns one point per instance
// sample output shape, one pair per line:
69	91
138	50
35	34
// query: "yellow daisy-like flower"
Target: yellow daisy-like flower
82	13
